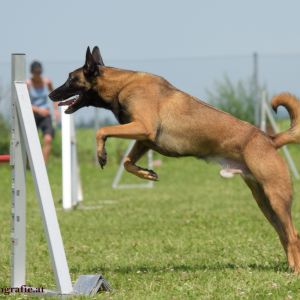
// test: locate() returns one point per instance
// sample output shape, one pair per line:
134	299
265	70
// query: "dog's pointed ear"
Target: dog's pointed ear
90	67
89	59
97	56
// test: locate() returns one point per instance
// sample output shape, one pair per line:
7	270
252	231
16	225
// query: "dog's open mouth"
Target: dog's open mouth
72	103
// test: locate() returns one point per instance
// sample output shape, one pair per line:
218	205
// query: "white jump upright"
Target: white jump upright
72	189
24	132
25	140
18	165
266	113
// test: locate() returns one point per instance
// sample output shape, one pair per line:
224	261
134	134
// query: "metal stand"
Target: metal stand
18	166
24	141
116	182
266	113
256	90
72	189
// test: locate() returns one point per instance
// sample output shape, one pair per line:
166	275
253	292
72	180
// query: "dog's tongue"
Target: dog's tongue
67	102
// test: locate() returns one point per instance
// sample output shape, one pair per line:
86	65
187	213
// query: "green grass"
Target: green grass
194	236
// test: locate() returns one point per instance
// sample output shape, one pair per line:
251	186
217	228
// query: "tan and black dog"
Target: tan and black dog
160	117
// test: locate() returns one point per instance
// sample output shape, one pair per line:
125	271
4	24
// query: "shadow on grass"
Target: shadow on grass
276	267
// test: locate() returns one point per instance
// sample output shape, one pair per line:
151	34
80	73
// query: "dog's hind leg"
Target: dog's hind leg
277	209
263	203
272	191
138	150
279	199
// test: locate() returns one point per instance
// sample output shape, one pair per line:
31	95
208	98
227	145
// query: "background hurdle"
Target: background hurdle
116	182
266	113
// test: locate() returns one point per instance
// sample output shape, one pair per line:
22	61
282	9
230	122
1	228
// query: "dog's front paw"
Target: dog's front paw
102	158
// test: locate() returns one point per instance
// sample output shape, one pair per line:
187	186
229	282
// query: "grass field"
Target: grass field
194	236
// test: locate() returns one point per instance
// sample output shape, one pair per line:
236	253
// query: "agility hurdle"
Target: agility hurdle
116	182
25	143
72	188
266	113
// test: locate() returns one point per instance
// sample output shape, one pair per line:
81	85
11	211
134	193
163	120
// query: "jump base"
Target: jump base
91	285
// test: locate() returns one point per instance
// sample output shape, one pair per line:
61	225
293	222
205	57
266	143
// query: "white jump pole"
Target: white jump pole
28	136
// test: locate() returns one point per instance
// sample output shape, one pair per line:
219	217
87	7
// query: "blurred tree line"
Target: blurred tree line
4	127
238	99
4	136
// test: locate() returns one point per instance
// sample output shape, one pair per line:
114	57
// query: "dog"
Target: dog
160	117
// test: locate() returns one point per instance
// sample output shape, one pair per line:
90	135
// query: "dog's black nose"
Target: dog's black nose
52	96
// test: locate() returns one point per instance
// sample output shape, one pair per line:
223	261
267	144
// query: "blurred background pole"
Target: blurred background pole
96	127
256	90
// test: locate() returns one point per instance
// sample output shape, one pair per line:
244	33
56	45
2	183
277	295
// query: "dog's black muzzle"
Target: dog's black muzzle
63	92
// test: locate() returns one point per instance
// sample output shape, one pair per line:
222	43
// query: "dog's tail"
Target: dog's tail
292	104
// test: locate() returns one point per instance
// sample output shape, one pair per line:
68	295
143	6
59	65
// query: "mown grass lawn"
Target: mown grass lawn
193	236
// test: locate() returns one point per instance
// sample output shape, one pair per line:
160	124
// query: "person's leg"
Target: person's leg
48	134
47	145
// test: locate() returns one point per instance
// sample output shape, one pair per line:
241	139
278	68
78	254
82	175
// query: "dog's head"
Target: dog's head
78	89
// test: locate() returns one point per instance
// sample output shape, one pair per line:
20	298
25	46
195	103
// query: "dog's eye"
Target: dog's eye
69	81
72	79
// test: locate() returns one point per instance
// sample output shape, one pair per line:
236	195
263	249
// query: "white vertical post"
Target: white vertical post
76	187
66	160
150	166
72	191
79	185
76	182
18	161
263	121
74	175
255	87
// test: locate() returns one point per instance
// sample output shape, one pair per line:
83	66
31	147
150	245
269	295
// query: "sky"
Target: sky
171	37
137	29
